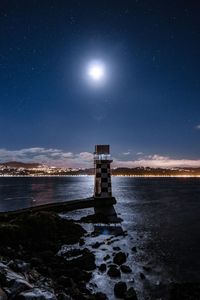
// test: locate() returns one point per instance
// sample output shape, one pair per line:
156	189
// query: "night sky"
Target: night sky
147	107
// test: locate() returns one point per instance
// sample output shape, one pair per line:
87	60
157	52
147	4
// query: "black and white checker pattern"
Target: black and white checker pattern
103	187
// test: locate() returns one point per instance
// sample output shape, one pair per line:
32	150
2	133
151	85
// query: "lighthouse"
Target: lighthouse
102	161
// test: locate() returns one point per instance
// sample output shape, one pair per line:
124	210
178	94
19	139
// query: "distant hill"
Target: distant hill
17	164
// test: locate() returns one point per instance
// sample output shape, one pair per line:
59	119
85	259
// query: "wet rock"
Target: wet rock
85	262
12	282
39	231
81	242
102	267
78	275
3	295
18	265
125	269
36	261
134	249
96	245
142	276
46	255
65	281
73	253
131	294
100	296
119	258
120	289
114	272
106	257
63	296
36	294
116	248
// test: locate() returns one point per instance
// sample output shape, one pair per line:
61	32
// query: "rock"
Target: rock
36	294
119	258
81	242
125	269
36	261
100	296
120	289
134	249
102	267
142	276
131	294
3	295
96	245
116	248
12	282
85	262
18	265
114	272
63	296
78	275
65	281
46	255
39	231
106	257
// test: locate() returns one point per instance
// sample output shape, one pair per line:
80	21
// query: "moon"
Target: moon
96	71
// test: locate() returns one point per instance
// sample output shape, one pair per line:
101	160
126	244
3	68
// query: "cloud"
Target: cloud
197	127
158	161
139	153
60	158
49	156
126	153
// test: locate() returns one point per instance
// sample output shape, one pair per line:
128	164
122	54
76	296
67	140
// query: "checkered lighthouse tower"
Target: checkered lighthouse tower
102	161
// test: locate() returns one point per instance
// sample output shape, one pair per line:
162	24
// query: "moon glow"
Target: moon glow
96	71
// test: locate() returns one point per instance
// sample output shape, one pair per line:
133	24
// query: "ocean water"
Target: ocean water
161	216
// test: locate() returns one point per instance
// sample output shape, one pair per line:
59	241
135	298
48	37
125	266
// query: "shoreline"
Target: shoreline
52	258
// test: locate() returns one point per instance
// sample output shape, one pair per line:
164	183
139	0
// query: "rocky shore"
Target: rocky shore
33	265
32	268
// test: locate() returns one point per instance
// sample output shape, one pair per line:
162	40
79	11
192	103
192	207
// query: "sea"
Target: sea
160	215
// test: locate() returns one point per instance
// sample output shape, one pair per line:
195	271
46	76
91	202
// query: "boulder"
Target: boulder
106	257
18	265
125	269
36	294
131	294
100	296
119	258
120	289
65	281
134	249
116	248
12	282
102	267
114	272
86	261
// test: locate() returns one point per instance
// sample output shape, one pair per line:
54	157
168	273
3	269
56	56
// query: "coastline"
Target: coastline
51	257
